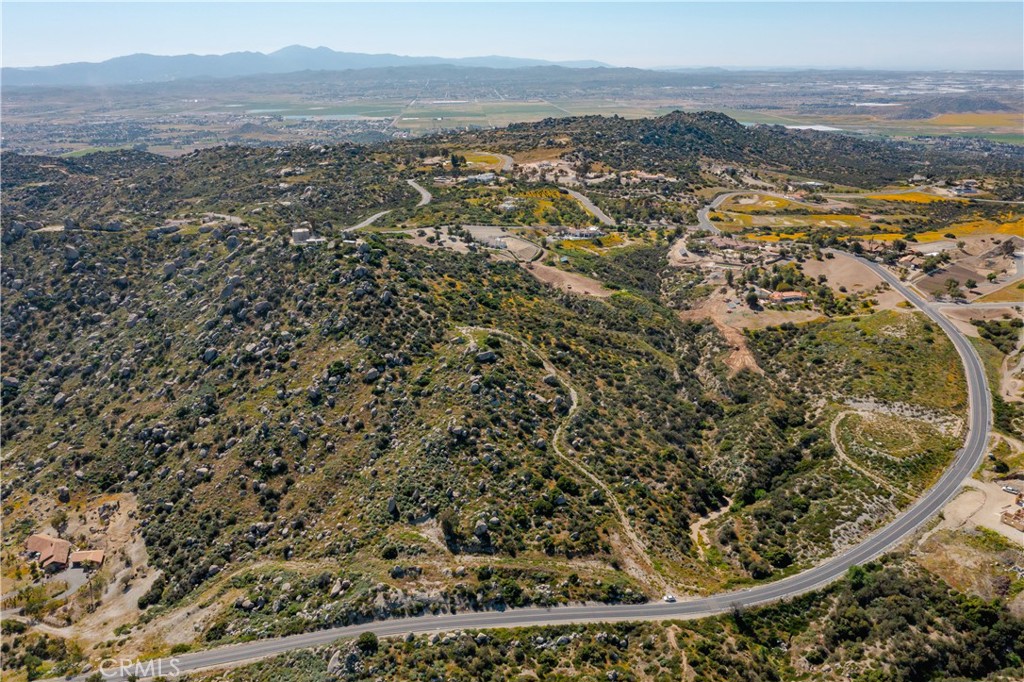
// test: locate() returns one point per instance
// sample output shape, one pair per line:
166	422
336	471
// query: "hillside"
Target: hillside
299	436
676	142
338	184
914	627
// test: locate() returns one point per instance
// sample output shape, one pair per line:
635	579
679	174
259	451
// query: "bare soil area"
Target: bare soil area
981	504
697	534
954	556
568	281
961	316
854	277
442	240
740	357
730	316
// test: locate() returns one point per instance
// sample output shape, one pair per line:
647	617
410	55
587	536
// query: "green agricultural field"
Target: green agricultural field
368	108
503	113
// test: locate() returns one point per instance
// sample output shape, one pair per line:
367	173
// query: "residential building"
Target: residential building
87	558
51	553
786	297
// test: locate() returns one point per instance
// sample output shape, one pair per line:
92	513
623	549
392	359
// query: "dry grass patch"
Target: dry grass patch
1013	225
777	237
756	202
1011	293
913	198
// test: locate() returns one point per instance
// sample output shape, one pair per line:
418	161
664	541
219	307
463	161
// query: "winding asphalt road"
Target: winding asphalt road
425	196
506	161
964	463
369	221
589	205
703	215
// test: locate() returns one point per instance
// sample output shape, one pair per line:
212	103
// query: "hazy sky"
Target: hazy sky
947	35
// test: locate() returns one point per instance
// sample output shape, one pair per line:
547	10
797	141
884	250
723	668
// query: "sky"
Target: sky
905	35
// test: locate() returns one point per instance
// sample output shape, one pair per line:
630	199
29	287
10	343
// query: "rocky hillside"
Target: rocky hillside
392	418
263	186
914	626
677	142
331	397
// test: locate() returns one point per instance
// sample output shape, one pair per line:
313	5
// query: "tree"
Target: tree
367	643
751	299
59	521
971	284
449	525
991	276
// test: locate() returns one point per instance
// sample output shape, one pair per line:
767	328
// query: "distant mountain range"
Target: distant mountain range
147	68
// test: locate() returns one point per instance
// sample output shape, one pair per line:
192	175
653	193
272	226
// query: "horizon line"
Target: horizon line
551	62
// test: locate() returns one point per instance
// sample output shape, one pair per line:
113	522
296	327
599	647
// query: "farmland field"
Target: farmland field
730	221
756	202
482	159
1009	120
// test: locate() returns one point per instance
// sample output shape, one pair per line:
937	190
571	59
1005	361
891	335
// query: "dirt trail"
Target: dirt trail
689	674
697	535
878	480
634	550
1011	371
740	357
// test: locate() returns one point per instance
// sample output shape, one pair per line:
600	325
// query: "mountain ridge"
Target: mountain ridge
149	68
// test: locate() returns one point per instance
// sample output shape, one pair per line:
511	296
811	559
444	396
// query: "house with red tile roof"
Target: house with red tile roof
52	553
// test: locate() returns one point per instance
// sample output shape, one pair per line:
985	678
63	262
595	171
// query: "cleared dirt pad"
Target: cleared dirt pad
981	504
569	281
739	357
843	272
855	277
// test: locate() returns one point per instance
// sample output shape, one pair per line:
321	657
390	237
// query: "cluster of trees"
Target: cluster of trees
1003	334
